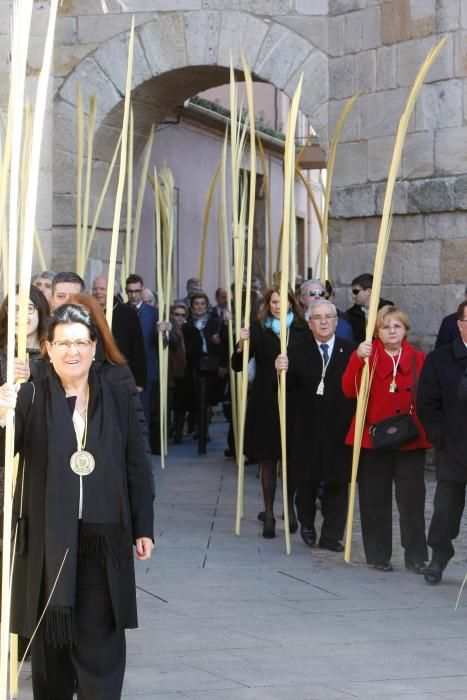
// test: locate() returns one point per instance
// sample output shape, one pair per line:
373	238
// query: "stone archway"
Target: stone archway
171	64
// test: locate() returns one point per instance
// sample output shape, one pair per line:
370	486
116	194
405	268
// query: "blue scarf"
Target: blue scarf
275	325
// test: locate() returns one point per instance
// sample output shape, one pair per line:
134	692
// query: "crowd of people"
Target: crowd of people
87	422
414	403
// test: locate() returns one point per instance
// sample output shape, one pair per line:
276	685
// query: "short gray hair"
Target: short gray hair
321	302
305	284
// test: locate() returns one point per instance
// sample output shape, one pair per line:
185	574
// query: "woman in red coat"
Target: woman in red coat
397	366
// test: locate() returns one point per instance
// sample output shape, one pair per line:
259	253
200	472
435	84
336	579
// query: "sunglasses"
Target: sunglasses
314	293
357	291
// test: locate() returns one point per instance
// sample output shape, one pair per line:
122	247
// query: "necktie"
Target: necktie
324	349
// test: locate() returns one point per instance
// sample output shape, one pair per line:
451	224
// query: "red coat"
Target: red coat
381	402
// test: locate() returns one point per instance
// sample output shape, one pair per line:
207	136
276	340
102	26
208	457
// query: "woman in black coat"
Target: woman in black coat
83	497
206	357
262	427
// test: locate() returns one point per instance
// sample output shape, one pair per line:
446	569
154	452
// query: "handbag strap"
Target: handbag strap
414	384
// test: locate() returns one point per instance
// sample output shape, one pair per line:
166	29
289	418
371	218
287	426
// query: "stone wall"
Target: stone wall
377	47
342	46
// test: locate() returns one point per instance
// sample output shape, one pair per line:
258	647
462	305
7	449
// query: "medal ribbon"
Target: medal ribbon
320	389
81	436
395	365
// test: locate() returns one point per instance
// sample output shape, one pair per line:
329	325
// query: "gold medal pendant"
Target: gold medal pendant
82	463
392	387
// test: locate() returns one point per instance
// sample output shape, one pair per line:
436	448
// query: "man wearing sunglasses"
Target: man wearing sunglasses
357	315
313	290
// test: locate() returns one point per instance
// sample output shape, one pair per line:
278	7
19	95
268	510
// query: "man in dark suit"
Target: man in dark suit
148	317
126	331
322	419
449	329
442	408
357	315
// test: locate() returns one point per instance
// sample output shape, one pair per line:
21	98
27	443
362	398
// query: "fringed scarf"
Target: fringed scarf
103	533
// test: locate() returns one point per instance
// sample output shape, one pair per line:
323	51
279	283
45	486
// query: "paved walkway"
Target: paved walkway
235	618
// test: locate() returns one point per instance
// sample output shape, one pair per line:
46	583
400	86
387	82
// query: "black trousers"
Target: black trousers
448	503
96	661
333	508
377	471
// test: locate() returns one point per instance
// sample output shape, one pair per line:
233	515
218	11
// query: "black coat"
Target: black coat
31	441
194	350
128	335
119	374
443	411
448	330
318	450
357	319
262	426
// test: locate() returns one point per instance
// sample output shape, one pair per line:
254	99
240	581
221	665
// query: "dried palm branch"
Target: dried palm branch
267	198
383	239
140	198
121	179
289	212
248	265
327	192
206	214
81	264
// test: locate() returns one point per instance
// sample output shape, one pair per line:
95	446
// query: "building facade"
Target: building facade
183	47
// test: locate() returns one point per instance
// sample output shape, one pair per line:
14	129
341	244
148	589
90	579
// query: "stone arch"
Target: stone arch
171	64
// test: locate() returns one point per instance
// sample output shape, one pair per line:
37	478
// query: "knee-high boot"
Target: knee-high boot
268	484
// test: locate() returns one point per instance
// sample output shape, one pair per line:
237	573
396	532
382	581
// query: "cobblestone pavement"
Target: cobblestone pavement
234	618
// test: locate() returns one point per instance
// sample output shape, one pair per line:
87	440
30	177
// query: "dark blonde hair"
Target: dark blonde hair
389	310
264	312
43	310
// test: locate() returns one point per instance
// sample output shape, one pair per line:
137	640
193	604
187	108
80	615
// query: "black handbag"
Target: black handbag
396	431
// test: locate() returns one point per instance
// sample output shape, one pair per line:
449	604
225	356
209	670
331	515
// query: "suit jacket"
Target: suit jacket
148	318
31	440
129	338
357	319
318	449
448	331
442	408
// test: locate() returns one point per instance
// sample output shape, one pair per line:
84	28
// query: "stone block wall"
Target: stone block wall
342	46
425	270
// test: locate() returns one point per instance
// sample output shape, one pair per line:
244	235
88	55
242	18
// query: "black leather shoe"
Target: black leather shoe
308	535
418	567
332	546
434	572
269	526
383	566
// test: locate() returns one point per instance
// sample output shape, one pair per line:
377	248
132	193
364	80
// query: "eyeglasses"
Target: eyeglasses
182	315
323	319
462	320
31	309
64	345
133	291
314	293
357	291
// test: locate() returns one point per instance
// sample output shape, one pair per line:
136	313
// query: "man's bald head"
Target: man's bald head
99	289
